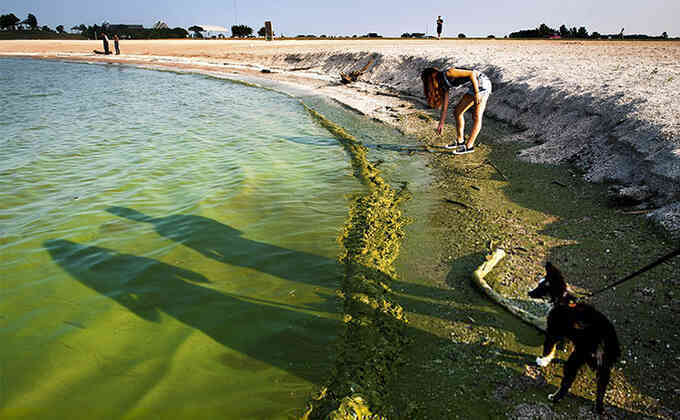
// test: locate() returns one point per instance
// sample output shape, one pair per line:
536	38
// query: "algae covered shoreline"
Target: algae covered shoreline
462	357
459	356
536	213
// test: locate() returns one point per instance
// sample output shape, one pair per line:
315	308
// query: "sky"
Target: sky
349	17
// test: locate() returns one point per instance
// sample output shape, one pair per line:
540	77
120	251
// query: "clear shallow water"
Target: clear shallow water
167	243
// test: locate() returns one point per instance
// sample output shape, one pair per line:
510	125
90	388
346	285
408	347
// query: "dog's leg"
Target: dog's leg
603	375
570	370
549	349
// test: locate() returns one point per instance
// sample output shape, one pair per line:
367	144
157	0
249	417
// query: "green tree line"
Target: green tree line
545	31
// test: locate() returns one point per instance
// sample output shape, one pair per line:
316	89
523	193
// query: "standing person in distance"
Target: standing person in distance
105	42
436	86
115	44
440	22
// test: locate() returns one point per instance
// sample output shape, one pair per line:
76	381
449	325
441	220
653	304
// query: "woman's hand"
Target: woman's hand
439	129
478	98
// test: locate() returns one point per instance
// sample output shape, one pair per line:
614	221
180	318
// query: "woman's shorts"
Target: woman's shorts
484	85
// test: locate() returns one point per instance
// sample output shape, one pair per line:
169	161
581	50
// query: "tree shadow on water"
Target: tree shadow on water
283	336
225	244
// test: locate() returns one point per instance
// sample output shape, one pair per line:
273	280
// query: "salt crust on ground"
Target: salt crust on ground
610	107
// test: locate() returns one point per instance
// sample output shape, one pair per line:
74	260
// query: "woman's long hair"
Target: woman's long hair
432	87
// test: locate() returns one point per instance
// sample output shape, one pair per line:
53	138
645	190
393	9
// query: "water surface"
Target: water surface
167	243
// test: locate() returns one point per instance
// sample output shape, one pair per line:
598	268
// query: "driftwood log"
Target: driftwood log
484	269
352	76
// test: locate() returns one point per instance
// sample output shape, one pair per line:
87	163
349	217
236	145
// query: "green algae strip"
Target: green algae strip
374	336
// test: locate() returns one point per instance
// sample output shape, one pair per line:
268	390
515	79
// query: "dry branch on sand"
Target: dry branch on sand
352	76
482	271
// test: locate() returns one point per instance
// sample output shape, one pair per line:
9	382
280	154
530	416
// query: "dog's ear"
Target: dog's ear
555	275
551	269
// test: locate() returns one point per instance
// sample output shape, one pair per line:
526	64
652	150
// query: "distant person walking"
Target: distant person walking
115	44
440	22
105	41
436	85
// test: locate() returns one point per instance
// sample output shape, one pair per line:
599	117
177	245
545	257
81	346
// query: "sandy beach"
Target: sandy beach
606	109
609	107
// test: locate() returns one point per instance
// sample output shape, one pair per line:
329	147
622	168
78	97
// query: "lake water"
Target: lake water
168	243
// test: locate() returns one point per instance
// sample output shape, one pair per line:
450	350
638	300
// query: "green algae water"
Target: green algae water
167	243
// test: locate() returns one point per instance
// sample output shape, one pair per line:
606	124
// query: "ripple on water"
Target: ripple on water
186	223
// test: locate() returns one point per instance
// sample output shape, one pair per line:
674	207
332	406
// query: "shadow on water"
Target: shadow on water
148	287
225	244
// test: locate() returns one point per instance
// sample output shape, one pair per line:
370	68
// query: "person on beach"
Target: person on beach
115	44
105	41
440	22
436	85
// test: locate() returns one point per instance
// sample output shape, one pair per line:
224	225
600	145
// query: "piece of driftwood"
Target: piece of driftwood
478	277
459	203
496	168
352	76
644	211
301	68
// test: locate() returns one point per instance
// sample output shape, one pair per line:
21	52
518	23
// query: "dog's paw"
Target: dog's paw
543	361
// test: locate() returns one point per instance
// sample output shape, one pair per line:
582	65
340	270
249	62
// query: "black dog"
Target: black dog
594	337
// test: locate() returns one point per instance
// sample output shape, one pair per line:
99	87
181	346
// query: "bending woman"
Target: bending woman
437	83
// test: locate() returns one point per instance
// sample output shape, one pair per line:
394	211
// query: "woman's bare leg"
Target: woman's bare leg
477	126
463	105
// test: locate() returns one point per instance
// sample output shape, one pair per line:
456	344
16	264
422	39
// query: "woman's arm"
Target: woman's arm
445	107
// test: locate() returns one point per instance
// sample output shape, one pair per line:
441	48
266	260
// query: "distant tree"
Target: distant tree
46	28
60	29
406	35
179	32
92	32
461	35
9	21
545	31
664	35
582	32
491	37
572	32
31	21
595	35
241	31
197	31
564	31
262	31
373	35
